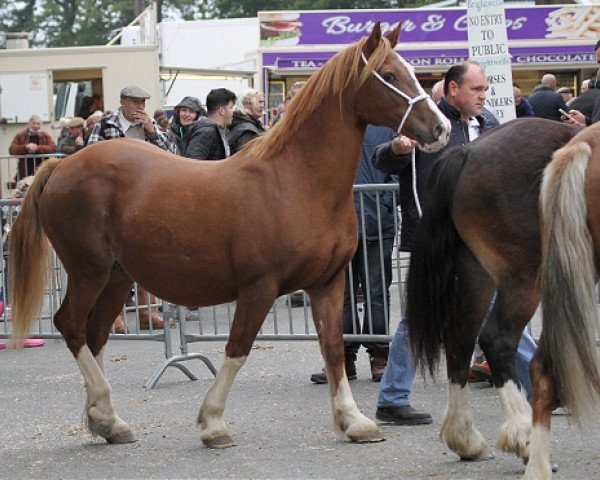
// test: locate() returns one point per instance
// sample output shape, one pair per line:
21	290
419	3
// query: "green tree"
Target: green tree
58	23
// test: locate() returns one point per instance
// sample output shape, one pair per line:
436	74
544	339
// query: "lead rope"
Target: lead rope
411	102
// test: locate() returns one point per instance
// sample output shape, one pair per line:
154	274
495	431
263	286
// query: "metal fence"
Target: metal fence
289	318
14	168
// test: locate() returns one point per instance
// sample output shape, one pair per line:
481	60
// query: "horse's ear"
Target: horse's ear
394	35
373	41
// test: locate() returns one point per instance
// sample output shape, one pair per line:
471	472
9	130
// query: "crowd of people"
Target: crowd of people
226	122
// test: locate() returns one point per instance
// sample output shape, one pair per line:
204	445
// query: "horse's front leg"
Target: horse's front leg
327	306
253	304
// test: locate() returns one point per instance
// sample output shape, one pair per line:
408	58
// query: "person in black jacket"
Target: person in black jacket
185	113
247	119
544	100
206	139
465	87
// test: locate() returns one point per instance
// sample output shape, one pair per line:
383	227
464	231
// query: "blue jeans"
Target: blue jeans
399	374
525	351
375	280
395	386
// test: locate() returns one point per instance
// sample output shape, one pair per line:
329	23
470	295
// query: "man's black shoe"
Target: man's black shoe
402	415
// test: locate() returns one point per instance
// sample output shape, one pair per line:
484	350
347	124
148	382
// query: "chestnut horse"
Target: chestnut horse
566	364
480	234
276	217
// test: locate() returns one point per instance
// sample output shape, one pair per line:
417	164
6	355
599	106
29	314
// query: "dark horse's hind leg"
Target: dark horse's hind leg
84	320
544	400
472	295
515	304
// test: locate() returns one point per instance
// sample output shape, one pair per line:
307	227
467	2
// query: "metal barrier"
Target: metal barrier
9	169
289	318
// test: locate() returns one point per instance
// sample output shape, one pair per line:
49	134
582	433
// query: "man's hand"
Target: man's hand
402	145
31	147
575	117
140	116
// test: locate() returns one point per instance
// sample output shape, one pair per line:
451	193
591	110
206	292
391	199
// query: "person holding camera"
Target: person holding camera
585	109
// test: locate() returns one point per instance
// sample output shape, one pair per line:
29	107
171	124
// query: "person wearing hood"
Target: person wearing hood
246	124
186	112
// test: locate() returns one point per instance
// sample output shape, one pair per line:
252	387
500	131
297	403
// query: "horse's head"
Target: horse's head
391	95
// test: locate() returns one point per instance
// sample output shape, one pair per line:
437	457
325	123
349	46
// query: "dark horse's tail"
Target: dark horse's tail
568	278
431	278
28	257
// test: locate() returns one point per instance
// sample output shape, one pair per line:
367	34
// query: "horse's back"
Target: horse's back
495	205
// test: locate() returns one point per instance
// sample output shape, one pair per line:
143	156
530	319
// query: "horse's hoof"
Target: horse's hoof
368	437
122	436
553	465
486	454
220	441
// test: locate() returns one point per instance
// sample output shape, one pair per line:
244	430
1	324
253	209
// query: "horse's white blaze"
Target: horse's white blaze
445	133
538	467
346	415
514	432
99	407
210	417
458	430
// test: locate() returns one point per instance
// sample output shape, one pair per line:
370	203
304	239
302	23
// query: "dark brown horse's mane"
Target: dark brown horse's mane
331	79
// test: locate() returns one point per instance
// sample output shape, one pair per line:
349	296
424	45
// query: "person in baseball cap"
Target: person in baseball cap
133	91
74	140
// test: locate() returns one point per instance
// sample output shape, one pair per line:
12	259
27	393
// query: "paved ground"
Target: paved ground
280	420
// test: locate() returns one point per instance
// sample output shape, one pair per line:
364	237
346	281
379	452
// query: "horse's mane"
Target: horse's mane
331	79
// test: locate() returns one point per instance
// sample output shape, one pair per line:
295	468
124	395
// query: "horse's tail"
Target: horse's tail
568	278
431	278
28	257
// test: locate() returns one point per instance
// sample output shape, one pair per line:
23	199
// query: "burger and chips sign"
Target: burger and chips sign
434	37
339	27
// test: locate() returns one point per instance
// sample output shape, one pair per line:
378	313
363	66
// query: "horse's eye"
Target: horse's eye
388	77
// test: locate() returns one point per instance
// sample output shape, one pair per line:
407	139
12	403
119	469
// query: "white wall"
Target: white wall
208	43
204	45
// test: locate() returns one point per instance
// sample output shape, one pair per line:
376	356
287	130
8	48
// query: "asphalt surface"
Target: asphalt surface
281	422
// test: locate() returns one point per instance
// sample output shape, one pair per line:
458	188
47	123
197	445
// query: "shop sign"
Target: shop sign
572	22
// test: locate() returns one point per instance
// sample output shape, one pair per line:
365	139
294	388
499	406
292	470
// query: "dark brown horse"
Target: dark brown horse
479	234
276	217
566	365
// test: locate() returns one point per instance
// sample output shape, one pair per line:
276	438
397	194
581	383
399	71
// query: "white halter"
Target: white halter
411	100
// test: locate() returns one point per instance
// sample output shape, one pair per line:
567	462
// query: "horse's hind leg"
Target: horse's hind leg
539	466
473	294
514	306
327	306
252	308
78	318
